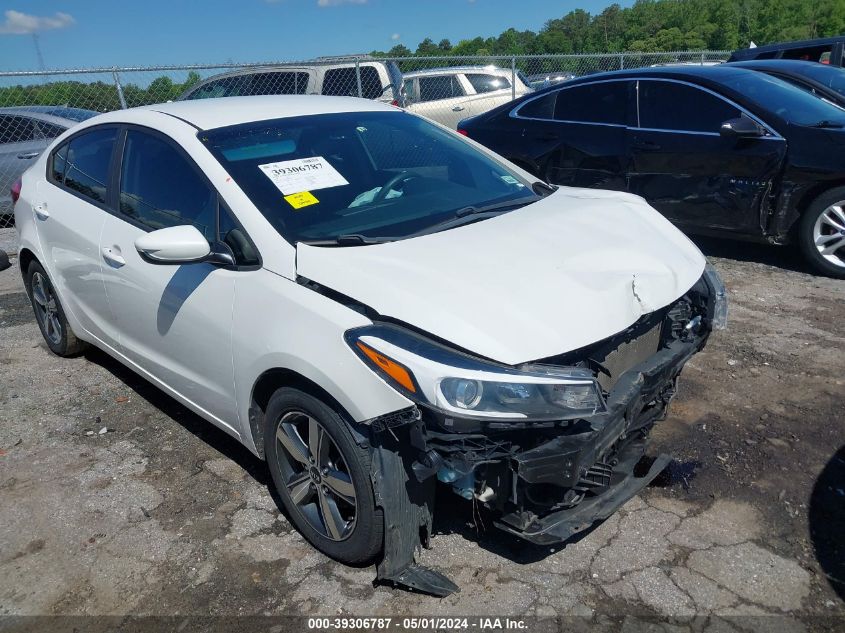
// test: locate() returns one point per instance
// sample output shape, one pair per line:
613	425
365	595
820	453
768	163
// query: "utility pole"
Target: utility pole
41	65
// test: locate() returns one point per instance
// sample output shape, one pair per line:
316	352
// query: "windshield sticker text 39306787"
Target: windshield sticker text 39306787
303	174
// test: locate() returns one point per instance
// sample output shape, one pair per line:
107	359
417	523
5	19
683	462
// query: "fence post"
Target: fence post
358	76
621	61
702	58
513	77
119	88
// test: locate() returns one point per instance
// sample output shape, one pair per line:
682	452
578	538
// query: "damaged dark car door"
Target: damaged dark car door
701	160
577	136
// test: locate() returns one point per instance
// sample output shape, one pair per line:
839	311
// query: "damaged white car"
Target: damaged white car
373	304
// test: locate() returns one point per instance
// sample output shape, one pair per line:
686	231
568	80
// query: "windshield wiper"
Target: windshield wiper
467	215
352	239
543	189
828	124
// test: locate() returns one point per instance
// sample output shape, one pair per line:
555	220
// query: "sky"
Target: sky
100	33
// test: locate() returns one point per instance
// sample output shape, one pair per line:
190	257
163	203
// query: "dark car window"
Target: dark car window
343	82
440	87
58	163
15	129
224	87
540	108
160	188
601	102
275	83
832	77
88	158
792	104
487	83
48	130
665	105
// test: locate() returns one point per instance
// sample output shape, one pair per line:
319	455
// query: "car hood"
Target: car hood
566	271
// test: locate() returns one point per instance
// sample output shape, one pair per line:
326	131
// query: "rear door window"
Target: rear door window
224	87
276	83
487	83
160	188
602	102
16	129
344	82
440	87
666	105
88	159
540	108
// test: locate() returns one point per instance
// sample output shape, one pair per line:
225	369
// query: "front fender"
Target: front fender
279	324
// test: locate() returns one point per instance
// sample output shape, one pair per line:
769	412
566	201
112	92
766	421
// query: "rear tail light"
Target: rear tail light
16	190
463	132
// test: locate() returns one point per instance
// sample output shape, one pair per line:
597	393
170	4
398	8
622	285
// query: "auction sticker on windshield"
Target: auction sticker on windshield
303	174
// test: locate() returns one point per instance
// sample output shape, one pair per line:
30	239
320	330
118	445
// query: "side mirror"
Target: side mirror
174	245
741	127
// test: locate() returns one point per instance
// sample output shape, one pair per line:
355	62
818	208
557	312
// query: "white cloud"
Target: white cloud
334	3
18	23
395	36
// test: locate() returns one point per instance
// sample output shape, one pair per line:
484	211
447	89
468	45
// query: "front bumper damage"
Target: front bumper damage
543	482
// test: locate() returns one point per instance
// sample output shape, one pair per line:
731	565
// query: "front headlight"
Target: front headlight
435	376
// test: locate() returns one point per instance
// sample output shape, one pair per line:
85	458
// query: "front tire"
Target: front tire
821	233
50	314
322	477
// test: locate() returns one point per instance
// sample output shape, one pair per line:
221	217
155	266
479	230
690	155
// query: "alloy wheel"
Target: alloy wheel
829	234
316	476
46	309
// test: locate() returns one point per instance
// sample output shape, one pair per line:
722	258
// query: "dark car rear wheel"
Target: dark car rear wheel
821	233
322	476
50	314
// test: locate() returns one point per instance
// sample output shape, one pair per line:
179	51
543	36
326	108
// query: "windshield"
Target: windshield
833	78
789	102
371	174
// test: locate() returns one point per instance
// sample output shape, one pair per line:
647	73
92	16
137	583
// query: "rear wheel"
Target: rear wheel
821	233
322	476
49	313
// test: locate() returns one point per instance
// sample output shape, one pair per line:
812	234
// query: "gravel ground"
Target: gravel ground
117	500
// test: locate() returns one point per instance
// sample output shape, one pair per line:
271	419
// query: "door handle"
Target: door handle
28	155
457	108
40	211
113	257
647	146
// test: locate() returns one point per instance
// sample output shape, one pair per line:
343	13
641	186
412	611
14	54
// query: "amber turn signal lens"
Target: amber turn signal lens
389	367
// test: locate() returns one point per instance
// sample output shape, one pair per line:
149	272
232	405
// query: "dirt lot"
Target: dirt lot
117	500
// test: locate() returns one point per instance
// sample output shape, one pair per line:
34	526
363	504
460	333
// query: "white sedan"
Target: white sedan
371	304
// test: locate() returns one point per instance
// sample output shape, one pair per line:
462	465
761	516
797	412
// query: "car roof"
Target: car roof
702	73
443	70
744	53
61	115
796	66
207	114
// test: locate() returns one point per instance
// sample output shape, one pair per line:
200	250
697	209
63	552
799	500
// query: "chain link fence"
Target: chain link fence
37	106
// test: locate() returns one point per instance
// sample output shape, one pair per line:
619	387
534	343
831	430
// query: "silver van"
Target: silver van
370	79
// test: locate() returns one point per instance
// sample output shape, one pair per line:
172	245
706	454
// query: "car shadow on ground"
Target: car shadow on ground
190	421
827	521
785	257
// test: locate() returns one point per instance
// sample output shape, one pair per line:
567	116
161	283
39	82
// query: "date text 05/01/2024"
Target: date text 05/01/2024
483	623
